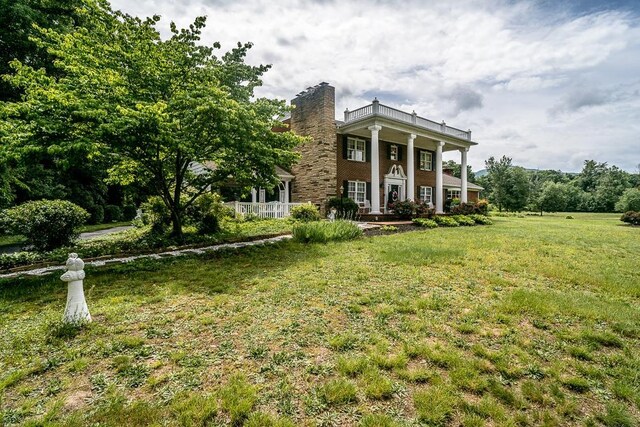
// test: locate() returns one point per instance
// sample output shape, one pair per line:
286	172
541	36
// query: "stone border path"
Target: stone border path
160	255
191	251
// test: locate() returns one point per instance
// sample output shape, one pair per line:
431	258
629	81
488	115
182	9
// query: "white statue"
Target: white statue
76	310
332	214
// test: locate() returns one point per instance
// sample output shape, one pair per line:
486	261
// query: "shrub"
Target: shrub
347	208
156	214
480	207
481	219
464	220
323	232
306	212
629	201
568	217
631	217
445	221
405	208
96	214
47	224
207	212
389	228
15	259
424	222
129	212
424	210
112	213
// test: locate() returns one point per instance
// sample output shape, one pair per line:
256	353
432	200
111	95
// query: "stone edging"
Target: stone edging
180	252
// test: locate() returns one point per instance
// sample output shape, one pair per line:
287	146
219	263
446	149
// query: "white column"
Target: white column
463	175
254	195
286	191
439	188
375	169
411	169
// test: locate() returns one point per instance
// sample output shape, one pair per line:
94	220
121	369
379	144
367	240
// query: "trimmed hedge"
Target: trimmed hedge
464	220
346	208
481	219
47	224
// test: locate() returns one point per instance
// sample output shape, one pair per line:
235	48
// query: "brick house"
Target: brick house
377	155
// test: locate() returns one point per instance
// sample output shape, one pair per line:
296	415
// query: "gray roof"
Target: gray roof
452	181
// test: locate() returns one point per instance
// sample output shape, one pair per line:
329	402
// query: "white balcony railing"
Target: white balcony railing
377	109
263	210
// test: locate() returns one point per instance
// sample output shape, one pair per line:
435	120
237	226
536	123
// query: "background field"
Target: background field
531	321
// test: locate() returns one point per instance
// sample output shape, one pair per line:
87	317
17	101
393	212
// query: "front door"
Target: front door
393	195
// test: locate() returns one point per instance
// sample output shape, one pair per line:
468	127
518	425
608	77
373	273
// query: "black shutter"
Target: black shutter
399	153
368	195
345	188
344	146
367	149
388	151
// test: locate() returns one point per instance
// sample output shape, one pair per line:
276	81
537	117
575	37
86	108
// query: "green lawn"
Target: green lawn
531	321
13	240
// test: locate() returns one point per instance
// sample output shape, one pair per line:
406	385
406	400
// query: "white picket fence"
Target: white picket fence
263	210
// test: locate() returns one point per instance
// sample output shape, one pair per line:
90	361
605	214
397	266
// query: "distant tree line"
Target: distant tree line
598	187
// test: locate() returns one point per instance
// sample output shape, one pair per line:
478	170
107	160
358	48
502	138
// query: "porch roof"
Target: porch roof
449	181
397	124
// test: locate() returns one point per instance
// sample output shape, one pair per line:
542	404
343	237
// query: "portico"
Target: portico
424	142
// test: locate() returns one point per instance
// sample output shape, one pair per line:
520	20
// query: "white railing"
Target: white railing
377	109
263	210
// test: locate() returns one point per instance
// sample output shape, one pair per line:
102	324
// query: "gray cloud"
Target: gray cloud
465	99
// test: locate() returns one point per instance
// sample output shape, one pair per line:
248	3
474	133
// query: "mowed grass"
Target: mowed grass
531	321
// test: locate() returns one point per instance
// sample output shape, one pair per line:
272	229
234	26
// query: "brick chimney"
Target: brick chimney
314	115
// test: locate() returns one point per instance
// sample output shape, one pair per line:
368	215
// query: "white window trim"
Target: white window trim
353	194
393	155
427	165
450	195
352	149
423	198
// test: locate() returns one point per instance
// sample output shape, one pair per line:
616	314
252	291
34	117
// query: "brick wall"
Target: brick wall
313	115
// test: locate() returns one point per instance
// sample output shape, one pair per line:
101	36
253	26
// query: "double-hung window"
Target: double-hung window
357	191
425	194
355	149
426	161
453	194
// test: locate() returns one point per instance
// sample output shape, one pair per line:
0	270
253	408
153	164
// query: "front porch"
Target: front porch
379	123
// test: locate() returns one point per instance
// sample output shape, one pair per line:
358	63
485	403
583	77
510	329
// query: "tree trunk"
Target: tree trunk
176	225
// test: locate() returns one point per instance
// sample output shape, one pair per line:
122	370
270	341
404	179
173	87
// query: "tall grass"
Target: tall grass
323	231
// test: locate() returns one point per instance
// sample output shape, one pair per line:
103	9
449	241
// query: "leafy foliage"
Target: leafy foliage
47	224
346	207
405	208
631	217
629	201
424	222
324	231
445	221
305	212
155	106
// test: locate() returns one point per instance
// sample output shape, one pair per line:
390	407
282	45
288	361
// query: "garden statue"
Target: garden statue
76	310
332	214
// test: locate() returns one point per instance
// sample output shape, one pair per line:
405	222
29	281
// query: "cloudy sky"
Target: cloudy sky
548	83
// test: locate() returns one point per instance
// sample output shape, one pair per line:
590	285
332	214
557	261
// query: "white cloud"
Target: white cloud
497	67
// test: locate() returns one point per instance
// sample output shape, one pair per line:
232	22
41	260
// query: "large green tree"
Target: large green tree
152	107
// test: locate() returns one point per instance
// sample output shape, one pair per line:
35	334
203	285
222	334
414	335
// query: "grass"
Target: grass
532	321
